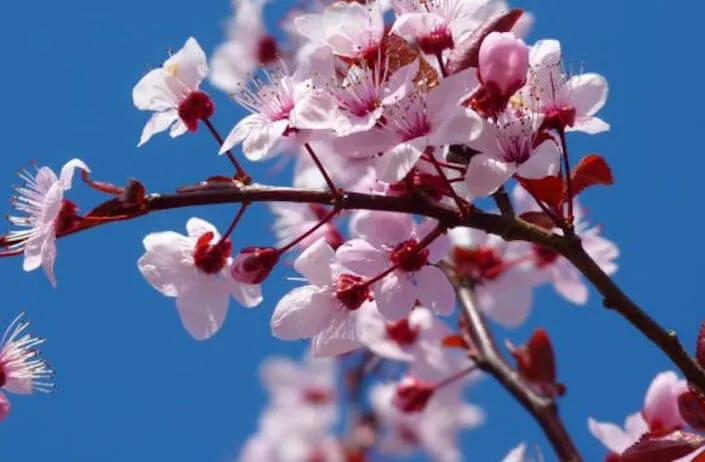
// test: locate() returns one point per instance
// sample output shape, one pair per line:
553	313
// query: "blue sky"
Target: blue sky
134	385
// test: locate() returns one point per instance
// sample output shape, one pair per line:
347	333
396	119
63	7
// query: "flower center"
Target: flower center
211	259
197	106
481	263
317	396
402	332
68	215
3	376
544	256
436	42
351	291
267	50
559	118
405	257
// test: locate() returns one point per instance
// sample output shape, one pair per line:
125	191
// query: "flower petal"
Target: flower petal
589	93
159	122
395	295
362	258
338	337
396	163
435	290
153	94
301	313
189	64
544	161
609	434
202	306
316	263
382	228
66	175
164	265
197	227
485	174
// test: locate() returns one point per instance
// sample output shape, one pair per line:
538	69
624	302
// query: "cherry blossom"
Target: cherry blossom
350	30
514	146
434	429
386	240
419	121
172	93
325	310
518	454
553	268
500	271
292	220
248	46
195	269
47	213
503	63
566	103
22	369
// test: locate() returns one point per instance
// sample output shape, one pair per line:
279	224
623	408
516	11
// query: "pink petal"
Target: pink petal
163	264
19	386
395	295
435	290
260	143
197	227
49	256
609	434
247	295
485	174
544	161
396	163
316	263
568	283
203	305
439	247
316	111
545	53
66	175
189	64
507	300
382	228
159	122
589	125
152	92
603	251
302	313
400	83
661	401
361	257
4	406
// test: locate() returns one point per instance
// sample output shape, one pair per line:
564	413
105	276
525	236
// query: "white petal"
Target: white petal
400	83
396	163
589	93
316	111
485	174
66	175
589	125
545	53
197	227
261	141
247	295
382	228
568	283
439	247
609	434
361	257
242	130
435	290
178	129
203	305
152	92
159	122
165	264
338	337
506	300
189	64
544	161
301	313
49	256
316	263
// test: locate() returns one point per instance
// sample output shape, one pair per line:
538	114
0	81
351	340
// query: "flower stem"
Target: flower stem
568	181
312	230
462	206
233	223
321	169
241	173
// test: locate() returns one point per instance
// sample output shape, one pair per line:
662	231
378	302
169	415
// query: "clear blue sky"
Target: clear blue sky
134	386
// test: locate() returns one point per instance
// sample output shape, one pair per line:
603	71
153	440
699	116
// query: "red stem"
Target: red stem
313	229
233	223
241	173
321	169
568	179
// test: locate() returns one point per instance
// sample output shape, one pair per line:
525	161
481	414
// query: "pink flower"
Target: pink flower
387	239
566	103
503	64
307	383
501	272
248	46
22	369
325	310
553	268
434	430
349	29
195	269
41	198
419	121
172	92
438	25
277	108
349	173
518	454
292	220
512	146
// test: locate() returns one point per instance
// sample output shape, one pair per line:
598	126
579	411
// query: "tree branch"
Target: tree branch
508	227
488	357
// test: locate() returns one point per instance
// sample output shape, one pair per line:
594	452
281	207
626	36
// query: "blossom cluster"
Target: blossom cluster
438	102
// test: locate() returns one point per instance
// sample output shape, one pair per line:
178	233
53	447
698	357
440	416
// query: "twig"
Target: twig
501	198
487	357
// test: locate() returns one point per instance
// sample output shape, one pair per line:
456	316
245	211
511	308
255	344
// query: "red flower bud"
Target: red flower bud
253	264
412	395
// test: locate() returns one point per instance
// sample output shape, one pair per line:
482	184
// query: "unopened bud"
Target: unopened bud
503	64
197	106
412	395
253	264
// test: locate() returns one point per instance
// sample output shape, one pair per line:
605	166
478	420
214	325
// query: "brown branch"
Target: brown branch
501	198
488	357
507	227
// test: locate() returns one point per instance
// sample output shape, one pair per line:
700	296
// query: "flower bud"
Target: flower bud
412	395
253	264
197	106
503	64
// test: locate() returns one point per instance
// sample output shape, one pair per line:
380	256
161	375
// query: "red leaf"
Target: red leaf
466	54
548	190
692	408
662	448
455	341
540	219
536	363
399	53
590	171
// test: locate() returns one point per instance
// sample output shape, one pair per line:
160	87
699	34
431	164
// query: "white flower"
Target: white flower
172	93
41	198
196	270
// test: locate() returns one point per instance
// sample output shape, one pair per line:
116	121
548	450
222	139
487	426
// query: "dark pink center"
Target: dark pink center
402	332
405	257
211	259
482	263
197	106
351	291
